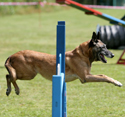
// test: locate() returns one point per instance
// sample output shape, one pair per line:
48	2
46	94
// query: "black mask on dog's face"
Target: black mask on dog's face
99	48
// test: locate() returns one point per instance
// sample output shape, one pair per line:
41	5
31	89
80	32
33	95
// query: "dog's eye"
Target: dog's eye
100	48
103	47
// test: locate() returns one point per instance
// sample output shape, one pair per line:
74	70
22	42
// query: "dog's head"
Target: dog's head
99	48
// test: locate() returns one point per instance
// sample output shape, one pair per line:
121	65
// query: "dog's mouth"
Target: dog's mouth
102	58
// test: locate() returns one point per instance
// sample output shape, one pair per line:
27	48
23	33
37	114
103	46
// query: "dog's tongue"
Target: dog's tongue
103	58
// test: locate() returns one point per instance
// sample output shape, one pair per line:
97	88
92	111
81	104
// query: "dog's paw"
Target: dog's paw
117	83
8	92
17	92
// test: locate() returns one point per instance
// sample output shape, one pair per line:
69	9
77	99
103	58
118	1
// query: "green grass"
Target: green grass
20	32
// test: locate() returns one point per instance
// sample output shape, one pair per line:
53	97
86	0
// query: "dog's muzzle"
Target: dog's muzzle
112	55
102	57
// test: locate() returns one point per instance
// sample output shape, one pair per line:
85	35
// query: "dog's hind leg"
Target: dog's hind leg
9	81
17	90
11	78
102	78
8	91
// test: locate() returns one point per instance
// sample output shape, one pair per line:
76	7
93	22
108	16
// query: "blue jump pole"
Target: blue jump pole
59	108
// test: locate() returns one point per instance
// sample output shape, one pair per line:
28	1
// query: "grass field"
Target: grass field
38	32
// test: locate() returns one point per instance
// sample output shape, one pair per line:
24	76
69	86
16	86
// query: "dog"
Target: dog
24	65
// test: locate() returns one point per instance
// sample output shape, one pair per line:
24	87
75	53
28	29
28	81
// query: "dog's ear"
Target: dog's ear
94	37
93	41
98	35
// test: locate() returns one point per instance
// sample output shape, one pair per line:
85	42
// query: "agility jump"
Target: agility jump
58	81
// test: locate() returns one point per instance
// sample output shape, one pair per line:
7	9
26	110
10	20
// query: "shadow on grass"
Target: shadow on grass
106	64
1	67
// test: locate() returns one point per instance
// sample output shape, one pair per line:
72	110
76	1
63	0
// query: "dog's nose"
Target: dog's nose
113	55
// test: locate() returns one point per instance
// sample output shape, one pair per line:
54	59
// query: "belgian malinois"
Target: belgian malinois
25	65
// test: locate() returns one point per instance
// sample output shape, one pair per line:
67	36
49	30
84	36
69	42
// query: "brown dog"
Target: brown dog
25	65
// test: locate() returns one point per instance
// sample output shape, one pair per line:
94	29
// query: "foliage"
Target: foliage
38	32
20	0
10	10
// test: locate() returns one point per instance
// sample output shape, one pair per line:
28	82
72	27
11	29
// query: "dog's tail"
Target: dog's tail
10	69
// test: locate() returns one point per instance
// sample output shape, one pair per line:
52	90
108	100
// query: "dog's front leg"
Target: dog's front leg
102	78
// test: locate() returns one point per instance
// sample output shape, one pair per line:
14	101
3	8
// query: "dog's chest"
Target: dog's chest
71	77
